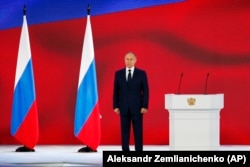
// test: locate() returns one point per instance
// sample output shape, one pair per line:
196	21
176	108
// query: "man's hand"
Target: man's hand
144	110
117	111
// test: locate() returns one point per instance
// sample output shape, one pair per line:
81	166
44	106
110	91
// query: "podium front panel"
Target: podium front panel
194	121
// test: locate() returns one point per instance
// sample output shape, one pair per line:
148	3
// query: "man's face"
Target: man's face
130	60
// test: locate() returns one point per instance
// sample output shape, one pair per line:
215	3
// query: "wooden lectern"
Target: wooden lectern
194	121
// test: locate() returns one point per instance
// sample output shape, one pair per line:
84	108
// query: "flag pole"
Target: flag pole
24	10
24	148
88	10
86	148
87	117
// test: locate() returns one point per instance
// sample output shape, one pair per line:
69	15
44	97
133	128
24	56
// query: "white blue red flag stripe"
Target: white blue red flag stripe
87	114
24	122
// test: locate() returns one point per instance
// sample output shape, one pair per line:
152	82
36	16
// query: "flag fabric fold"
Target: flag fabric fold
24	120
87	115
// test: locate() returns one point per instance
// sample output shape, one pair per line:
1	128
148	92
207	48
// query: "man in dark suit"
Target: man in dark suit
130	100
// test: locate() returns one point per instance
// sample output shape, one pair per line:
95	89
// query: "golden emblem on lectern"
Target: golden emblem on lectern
191	101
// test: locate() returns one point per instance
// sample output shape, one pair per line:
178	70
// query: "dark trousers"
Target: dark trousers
136	121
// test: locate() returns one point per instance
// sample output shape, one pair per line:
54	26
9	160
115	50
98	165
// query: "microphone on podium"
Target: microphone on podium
179	88
205	92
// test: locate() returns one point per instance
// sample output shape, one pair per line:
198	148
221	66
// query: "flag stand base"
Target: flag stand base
86	149
24	149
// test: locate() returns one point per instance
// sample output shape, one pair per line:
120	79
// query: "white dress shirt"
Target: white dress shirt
131	71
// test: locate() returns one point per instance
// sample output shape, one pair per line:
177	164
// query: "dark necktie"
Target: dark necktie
129	75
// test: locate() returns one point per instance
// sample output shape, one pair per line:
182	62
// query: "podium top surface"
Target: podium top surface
194	101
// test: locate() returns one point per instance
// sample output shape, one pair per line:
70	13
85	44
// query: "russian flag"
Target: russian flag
87	115
24	121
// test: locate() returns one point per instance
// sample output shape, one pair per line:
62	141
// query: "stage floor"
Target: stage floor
68	155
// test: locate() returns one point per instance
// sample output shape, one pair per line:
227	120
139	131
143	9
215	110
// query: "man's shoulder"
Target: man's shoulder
121	70
140	70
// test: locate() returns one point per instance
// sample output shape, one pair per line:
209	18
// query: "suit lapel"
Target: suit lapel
124	75
134	74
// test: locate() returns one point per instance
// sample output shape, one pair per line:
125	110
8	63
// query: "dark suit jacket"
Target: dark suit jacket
130	96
